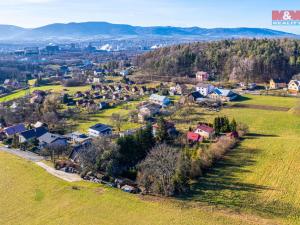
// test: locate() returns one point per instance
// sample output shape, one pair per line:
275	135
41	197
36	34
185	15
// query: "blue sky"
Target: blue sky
202	13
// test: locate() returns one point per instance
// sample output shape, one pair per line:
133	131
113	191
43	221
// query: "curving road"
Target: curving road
69	177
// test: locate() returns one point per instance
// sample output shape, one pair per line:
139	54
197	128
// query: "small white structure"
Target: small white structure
160	100
202	76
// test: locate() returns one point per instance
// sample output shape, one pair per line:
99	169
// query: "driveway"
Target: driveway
69	177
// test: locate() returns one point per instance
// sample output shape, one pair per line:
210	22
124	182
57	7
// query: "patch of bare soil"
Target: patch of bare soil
99	191
262	107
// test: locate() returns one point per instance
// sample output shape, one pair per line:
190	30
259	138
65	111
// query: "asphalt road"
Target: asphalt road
69	177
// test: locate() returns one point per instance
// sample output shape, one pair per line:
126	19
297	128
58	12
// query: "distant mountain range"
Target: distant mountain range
97	30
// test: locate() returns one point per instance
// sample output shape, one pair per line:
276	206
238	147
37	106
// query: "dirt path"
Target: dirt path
69	177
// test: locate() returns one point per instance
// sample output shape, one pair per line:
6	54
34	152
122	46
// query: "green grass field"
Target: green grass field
268	100
53	88
256	183
29	196
104	117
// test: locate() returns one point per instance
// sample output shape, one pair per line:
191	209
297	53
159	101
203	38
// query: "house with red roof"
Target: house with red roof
194	137
205	131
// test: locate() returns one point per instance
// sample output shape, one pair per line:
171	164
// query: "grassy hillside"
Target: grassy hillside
54	88
262	175
29	196
259	179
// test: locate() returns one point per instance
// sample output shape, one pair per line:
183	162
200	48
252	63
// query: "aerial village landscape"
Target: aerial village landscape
108	123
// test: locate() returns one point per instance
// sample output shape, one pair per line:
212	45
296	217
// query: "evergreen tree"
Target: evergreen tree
162	134
233	125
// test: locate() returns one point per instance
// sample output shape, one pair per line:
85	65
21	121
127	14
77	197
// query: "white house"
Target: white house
205	131
159	99
224	95
205	89
99	130
294	86
97	80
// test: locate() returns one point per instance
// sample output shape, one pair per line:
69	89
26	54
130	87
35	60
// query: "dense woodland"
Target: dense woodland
255	60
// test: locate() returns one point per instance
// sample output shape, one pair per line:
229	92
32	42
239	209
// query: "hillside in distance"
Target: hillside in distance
252	60
97	30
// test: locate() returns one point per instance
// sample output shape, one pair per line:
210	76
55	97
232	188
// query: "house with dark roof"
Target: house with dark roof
49	140
148	111
277	84
14	130
78	138
32	134
294	86
99	130
195	96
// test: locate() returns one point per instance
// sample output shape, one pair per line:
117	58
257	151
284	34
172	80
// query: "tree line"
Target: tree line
248	60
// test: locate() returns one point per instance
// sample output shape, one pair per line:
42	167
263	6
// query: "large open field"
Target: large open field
53	88
257	183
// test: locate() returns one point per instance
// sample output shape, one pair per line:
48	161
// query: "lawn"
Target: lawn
30	196
104	117
261	176
268	100
54	88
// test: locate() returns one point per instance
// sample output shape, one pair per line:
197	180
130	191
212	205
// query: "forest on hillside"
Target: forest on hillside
251	60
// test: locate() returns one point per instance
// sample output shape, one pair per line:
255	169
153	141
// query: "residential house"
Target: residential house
99	130
116	97
40	124
14	130
78	138
202	76
126	98
195	96
99	72
179	89
134	89
294	86
194	137
111	88
8	83
224	95
148	111
32	134
277	84
124	73
160	100
205	89
52	140
3	90
79	94
97	80
143	90
103	105
205	131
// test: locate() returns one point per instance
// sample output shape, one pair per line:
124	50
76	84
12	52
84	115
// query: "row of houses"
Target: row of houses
203	91
293	86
